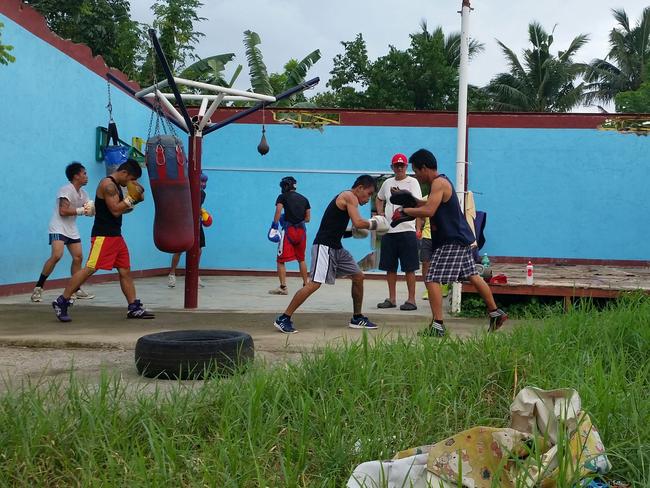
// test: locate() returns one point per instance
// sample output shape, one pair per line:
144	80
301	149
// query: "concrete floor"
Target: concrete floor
241	294
34	345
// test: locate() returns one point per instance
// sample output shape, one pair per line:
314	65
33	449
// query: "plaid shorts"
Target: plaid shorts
450	263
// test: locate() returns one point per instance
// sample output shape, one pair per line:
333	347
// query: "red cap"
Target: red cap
399	158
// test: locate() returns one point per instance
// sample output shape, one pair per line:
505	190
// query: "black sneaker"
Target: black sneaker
497	318
434	330
60	306
137	311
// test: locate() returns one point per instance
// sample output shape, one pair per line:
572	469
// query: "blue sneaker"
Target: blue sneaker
60	306
284	324
361	323
137	311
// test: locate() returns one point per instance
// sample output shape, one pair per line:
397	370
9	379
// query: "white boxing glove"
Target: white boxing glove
80	211
89	208
379	223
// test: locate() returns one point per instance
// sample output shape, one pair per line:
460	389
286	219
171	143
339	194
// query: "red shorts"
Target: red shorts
292	246
108	253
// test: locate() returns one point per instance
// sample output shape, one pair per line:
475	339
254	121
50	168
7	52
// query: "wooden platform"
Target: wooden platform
567	280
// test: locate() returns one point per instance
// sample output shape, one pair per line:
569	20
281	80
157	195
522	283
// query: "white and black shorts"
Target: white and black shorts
327	264
450	263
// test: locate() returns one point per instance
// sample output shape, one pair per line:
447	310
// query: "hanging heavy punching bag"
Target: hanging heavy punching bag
173	227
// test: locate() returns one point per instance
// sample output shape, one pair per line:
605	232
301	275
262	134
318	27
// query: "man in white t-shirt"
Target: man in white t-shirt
400	244
71	201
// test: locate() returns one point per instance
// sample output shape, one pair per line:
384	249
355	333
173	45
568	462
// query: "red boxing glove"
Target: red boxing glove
206	218
399	216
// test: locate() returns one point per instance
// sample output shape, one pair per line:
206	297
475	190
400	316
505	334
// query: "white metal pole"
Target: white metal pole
223	89
213	106
172	110
461	136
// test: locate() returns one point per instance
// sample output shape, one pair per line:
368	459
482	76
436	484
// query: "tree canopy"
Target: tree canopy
626	64
635	101
5	57
422	77
541	81
294	71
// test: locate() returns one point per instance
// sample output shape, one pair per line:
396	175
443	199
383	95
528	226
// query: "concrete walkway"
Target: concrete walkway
243	294
34	344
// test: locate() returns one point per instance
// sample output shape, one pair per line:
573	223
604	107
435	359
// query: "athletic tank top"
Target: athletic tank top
449	222
106	224
332	227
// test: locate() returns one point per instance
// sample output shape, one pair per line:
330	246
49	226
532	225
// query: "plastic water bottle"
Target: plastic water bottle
529	273
485	261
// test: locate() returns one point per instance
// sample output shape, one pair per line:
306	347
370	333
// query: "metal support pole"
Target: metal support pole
132	92
194	159
192	257
291	91
461	134
170	79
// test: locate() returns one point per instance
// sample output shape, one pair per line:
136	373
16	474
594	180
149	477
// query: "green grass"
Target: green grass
297	424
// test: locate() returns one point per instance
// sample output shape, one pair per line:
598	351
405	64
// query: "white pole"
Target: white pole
172	110
461	136
223	89
213	106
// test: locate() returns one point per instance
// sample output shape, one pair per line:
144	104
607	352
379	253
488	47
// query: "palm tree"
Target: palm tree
294	71
211	70
451	43
626	63
542	82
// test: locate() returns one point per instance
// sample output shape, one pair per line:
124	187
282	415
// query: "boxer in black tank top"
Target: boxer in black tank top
108	249
452	259
330	260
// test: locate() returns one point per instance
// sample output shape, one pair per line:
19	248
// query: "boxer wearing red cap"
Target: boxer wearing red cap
399	245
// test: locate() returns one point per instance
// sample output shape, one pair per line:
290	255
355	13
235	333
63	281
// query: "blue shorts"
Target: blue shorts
60	237
399	247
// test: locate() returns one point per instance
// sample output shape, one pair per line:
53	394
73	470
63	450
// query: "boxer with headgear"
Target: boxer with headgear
206	221
71	201
329	260
292	212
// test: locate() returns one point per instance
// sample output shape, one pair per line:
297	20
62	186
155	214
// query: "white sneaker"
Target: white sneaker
171	282
201	284
83	295
37	294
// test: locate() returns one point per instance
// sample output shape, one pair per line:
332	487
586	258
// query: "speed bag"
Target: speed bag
173	226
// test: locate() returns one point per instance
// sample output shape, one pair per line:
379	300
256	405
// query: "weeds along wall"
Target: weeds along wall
557	192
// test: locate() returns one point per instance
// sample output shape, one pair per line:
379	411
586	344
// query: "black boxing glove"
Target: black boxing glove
399	216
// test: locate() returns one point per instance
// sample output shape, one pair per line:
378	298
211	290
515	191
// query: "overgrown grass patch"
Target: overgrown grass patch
310	422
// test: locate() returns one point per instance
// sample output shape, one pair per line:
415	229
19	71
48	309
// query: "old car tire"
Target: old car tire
192	354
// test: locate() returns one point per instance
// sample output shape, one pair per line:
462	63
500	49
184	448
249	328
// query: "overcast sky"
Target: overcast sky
294	28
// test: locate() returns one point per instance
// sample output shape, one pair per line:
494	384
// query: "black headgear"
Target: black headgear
288	183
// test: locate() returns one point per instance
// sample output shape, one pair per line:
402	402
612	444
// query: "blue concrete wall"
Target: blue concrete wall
570	193
548	192
238	240
49	109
